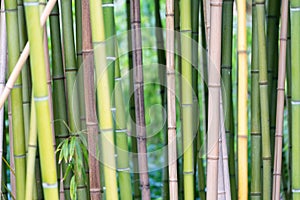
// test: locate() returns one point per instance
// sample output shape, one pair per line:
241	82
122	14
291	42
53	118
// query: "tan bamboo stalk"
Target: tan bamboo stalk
221	184
280	101
24	55
3	59
139	97
90	102
214	98
242	102
171	95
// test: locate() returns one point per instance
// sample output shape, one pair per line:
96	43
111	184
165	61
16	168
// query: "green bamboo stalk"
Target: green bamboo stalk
26	80
255	188
139	97
264	104
214	98
103	99
295	62
16	98
136	179
45	139
59	94
226	73
90	102
161	58
280	102
187	100
11	146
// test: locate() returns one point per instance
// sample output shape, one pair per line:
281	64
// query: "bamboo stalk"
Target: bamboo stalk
3	62
255	188
295	62
136	180
22	59
264	104
45	139
214	98
280	101
171	94
12	163
90	102
103	99
16	98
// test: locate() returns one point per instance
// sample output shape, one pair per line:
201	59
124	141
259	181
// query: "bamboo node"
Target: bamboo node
212	157
127	169
255	193
108	130
169	14
108	5
20	156
215	4
112	58
43	98
189	173
71	69
49	185
254	71
10	10
295	190
295	9
31	3
54	14
229	67
121	130
294	102
17	86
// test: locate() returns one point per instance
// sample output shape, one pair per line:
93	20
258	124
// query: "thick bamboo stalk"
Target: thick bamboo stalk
280	101
13	43
139	98
264	103
90	102
103	99
214	98
295	101
242	102
255	188
136	180
3	62
22	59
45	139
171	95
227	23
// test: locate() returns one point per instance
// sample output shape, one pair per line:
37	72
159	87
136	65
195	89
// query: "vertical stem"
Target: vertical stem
280	101
139	98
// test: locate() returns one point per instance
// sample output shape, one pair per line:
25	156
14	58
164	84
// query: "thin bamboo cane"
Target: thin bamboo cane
227	23
214	98
16	98
139	97
22	59
3	62
280	101
136	180
103	99
11	141
255	188
295	72
4	177
221	184
264	104
47	156
90	102
171	94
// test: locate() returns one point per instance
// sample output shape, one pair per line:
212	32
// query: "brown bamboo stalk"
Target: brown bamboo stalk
214	98
24	55
280	101
139	97
90	102
172	149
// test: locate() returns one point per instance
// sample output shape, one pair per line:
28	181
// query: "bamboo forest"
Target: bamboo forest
150	99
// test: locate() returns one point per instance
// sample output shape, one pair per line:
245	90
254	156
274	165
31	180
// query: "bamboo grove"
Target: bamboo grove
162	99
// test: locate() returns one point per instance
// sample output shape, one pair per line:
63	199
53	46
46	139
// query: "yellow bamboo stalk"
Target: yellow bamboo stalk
242	102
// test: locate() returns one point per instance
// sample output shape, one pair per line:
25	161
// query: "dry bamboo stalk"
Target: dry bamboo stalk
3	49
139	97
280	101
24	55
90	102
172	149
214	99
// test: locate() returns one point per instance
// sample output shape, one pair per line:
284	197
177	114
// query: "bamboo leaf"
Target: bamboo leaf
72	148
67	171
65	150
73	188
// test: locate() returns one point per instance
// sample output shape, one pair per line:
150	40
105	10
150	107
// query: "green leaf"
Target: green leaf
85	152
67	171
72	148
83	139
65	150
73	188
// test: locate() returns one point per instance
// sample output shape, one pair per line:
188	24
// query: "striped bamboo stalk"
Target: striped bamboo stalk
47	156
264	104
280	101
214	98
139	98
171	94
13	43
103	98
255	188
90	102
295	105
226	73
